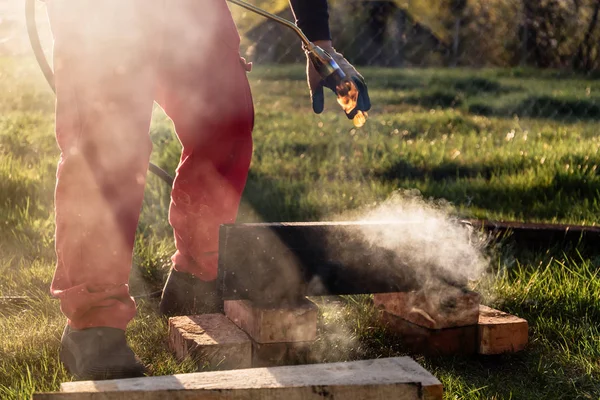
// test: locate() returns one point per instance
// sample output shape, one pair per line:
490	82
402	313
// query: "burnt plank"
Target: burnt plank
280	263
540	235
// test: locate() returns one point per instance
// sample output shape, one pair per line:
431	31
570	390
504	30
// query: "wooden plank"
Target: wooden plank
270	262
535	235
382	379
500	332
434	310
433	342
211	340
274	325
277	262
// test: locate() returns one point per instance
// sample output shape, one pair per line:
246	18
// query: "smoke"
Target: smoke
427	238
434	251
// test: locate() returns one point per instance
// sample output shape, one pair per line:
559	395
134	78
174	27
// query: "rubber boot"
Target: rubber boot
99	353
184	294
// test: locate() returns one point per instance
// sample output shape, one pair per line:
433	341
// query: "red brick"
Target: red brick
433	310
274	325
417	339
500	332
211	340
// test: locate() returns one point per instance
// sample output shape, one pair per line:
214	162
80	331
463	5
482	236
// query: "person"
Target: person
112	60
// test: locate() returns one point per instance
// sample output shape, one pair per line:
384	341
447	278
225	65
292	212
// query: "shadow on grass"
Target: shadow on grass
438	98
447	92
472	86
267	199
472	186
543	107
450	170
549	74
395	82
563	196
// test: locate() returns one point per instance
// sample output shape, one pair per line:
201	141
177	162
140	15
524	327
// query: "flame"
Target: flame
360	119
347	93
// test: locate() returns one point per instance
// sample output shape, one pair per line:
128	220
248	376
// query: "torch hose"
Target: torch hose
275	18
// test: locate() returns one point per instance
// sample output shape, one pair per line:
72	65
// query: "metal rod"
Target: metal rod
275	18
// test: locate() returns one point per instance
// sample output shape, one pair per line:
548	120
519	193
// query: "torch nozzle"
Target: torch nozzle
333	77
328	69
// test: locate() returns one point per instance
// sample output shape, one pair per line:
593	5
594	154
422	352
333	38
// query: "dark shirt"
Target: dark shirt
312	16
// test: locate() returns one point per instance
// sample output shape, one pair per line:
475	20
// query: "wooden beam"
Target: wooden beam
535	235
390	378
278	263
271	263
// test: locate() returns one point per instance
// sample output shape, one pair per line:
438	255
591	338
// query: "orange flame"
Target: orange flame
348	98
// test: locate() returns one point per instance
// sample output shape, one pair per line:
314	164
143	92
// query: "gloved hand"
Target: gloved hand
316	84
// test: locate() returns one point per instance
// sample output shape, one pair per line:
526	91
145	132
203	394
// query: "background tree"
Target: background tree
587	57
456	9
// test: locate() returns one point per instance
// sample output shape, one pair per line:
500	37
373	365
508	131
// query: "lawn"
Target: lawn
496	144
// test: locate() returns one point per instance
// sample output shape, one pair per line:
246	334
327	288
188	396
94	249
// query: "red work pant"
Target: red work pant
112	60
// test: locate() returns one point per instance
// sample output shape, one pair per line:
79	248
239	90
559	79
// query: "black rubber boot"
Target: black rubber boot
184	294
98	354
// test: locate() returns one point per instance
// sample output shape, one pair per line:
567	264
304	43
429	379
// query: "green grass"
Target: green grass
497	144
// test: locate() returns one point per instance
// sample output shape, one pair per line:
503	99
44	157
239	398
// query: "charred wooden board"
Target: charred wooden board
279	263
540	235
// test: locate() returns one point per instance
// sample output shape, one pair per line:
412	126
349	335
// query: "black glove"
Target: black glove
316	84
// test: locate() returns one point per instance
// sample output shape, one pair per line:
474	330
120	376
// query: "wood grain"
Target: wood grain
382	379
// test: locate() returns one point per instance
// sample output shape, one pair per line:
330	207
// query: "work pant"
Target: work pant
112	59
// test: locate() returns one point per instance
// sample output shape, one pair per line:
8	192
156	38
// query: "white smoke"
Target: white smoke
426	235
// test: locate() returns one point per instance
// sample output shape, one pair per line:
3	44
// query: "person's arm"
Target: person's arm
312	16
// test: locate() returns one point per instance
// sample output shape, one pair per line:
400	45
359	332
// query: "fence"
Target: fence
503	33
529	38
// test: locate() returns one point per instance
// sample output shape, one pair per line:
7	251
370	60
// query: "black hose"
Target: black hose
34	38
38	51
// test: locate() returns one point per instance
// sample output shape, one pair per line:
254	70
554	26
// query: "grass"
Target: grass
497	144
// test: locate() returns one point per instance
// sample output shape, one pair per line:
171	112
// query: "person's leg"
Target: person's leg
204	89
104	57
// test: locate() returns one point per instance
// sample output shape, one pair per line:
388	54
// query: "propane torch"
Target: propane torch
329	70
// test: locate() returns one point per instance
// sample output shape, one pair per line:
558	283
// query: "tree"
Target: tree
457	11
547	31
587	53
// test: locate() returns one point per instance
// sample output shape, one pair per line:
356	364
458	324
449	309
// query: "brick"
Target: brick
274	325
434	342
500	332
211	340
451	308
278	354
386	378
